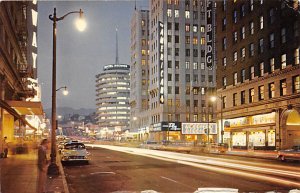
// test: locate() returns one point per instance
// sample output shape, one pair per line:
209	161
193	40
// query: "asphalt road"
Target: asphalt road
113	171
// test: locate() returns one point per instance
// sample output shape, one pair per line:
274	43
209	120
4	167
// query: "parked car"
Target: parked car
291	154
74	151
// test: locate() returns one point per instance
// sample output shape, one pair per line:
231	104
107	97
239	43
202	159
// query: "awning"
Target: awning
16	108
26	107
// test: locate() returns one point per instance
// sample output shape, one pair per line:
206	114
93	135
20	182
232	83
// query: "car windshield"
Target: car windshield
75	146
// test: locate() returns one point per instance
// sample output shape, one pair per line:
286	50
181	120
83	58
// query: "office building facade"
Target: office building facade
258	74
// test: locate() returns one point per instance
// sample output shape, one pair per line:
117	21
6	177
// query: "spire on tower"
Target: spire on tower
117	54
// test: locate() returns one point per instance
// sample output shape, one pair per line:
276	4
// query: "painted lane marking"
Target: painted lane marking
102	173
169	179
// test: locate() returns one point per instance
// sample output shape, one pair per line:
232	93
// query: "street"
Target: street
112	170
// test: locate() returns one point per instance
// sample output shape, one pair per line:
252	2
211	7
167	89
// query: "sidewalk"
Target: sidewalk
19	174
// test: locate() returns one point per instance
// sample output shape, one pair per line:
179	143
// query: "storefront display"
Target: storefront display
257	138
239	139
271	138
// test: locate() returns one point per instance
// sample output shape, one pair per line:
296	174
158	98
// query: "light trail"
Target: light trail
278	176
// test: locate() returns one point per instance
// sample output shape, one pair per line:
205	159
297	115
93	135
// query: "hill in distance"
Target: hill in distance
65	111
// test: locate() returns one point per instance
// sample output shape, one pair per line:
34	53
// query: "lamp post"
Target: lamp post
65	91
53	168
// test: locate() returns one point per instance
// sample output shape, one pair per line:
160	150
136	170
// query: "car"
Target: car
291	154
74	151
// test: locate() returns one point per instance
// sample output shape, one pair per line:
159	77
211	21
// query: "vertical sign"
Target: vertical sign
161	62
209	35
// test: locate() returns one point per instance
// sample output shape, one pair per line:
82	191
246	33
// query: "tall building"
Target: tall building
258	74
181	70
18	77
139	72
113	92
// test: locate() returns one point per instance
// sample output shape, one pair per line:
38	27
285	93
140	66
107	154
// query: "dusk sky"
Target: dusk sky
82	55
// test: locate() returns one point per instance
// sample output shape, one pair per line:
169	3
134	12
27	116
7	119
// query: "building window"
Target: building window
272	65
195	91
176	13
195	65
251	5
187	117
224	24
261	46
224	43
195	103
296	56
169	117
224	5
202	65
187	103
235	37
224	62
187	14
224	82
283	61
169	77
251	49
202	40
224	102
243	35
271	90
283	87
261	94
177	63
169	13
195	117
170	102
176	51
195	40
235	16
271	39
202	28
187	27
169	90
187	65
252	73
243	95
176	90
251	95
195	28
261	22
251	28
283	35
243	75
243	52
235	56
243	10
261	69
187	78
271	16
234	99
195	15
187	40
296	84
195	52
235	79
188	91
169	64
187	52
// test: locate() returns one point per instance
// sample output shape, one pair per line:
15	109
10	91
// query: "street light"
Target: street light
65	91
213	99
53	168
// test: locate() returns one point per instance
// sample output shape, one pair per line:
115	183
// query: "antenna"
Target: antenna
117	54
134	4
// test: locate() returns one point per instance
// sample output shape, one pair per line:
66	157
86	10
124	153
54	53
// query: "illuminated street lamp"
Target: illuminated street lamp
53	168
65	91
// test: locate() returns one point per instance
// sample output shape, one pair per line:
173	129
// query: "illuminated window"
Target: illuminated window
271	40
224	62
251	49
235	78
34	17
296	84
235	37
34	43
202	28
296	56
271	90
224	81
283	87
176	14
243	75
143	52
261	94
251	27
234	99
202	40
261	22
261	69
187	39
143	62
187	14
243	35
251	95
272	65
235	56
243	52
195	40
195	28
169	13
195	65
187	27
195	117
283	61
261	46
252	73
187	65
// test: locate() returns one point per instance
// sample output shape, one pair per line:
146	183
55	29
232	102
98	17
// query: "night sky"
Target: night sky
82	55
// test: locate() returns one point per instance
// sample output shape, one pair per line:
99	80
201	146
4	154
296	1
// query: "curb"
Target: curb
66	189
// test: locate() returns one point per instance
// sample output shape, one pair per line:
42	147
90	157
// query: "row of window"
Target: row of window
188	14
261	92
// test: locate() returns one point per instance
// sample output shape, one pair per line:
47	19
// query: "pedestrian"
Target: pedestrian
5	147
42	166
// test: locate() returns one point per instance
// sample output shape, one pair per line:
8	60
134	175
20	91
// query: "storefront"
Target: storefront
199	132
252	132
170	131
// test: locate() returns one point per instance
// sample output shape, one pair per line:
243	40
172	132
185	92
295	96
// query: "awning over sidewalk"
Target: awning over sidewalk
19	108
26	107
